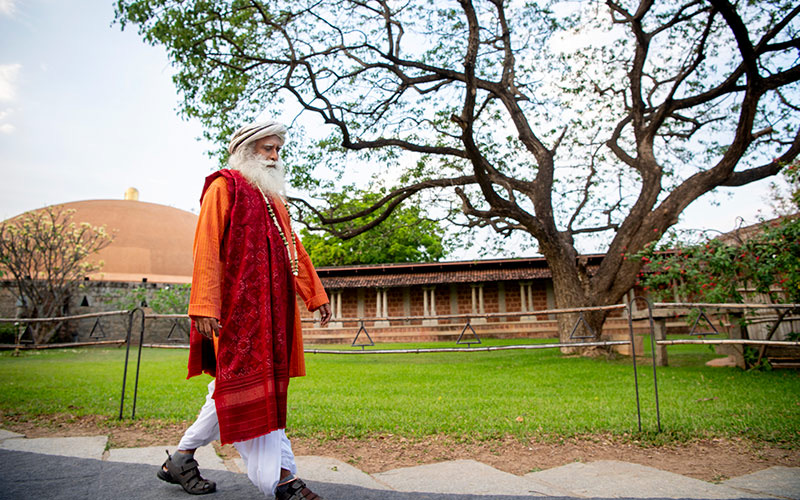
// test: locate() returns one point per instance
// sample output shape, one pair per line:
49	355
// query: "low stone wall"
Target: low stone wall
103	296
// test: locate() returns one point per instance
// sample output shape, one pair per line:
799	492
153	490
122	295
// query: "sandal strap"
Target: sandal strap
195	480
297	490
189	466
188	476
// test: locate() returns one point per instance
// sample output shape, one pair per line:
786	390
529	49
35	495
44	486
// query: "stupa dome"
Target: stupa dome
151	241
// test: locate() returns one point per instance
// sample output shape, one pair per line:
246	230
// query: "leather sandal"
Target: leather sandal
187	475
295	489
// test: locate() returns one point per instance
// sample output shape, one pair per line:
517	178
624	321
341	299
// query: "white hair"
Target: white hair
268	175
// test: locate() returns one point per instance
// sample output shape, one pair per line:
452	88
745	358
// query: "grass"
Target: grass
482	395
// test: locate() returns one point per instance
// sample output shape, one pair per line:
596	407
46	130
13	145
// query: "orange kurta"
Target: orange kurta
209	267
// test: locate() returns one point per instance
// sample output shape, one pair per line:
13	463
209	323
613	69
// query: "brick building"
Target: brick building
435	301
420	291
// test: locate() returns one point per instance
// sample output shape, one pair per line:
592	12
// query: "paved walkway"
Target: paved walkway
81	467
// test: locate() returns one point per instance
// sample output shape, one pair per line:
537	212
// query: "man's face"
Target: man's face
268	147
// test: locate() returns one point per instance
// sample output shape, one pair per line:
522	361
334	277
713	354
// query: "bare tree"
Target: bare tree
45	254
557	121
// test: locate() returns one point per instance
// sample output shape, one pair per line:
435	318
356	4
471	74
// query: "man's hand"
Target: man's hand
208	327
324	313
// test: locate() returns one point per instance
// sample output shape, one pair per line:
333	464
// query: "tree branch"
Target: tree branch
764	171
400	193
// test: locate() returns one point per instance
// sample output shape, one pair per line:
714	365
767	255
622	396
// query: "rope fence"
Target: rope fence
423	350
788	343
580	341
711	305
468	316
65	318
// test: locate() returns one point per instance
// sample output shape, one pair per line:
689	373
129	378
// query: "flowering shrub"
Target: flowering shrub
714	271
45	254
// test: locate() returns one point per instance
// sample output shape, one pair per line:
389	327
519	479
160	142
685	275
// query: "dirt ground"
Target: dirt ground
708	459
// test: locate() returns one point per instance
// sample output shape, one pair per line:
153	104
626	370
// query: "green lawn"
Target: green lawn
479	395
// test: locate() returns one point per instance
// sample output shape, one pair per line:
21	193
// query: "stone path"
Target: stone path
81	467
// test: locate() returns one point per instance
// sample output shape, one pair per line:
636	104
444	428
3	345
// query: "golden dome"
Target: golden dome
132	194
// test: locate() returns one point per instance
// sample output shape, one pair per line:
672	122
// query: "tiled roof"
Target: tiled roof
742	234
430	273
436	277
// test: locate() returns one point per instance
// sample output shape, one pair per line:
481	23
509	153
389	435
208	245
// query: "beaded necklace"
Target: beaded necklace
292	259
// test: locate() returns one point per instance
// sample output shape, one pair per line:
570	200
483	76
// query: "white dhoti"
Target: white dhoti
263	456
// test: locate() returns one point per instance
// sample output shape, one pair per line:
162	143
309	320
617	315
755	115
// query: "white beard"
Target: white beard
268	175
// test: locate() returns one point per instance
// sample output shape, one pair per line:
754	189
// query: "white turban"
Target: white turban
256	131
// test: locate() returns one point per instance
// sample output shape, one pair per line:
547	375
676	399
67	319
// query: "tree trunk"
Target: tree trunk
568	293
571	293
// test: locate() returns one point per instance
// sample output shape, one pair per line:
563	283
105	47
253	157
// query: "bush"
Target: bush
8	333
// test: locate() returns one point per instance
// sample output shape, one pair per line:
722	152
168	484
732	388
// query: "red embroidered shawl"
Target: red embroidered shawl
252	362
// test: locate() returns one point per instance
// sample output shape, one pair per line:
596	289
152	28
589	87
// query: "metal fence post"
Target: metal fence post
125	370
138	364
138	361
633	356
653	352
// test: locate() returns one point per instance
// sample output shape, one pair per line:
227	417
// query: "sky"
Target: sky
88	110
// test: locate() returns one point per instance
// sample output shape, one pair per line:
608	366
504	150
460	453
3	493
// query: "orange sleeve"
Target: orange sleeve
308	284
215	212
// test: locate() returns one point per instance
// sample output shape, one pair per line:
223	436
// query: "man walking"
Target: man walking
248	268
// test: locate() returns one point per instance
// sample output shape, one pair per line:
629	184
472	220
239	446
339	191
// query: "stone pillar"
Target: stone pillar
526	295
736	332
522	300
474	309
660	333
429	296
381	308
530	298
477	303
336	309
